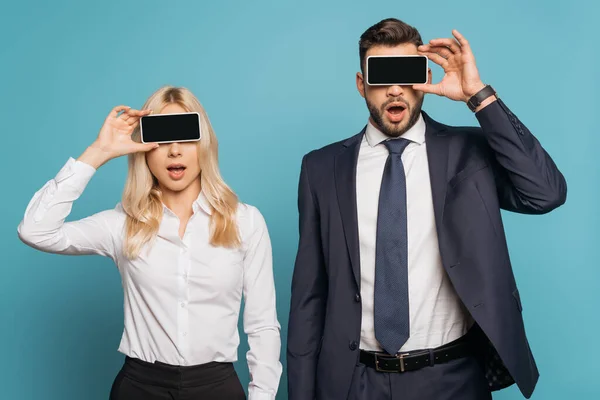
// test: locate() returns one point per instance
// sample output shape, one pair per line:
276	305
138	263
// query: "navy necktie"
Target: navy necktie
391	310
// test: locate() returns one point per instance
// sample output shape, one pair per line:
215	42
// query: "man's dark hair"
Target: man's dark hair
388	32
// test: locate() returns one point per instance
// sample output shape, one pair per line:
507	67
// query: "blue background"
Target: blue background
277	80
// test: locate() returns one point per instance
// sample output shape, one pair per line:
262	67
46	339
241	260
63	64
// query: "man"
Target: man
403	287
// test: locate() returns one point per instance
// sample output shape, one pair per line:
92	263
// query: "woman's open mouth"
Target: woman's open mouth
176	171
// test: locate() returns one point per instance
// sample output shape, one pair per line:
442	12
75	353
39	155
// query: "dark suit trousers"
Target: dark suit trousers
460	379
139	380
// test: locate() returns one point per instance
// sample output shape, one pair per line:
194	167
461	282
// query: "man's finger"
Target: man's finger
449	43
428	88
461	39
436	58
442	51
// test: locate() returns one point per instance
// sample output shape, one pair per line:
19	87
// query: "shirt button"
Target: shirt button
184	333
182	305
357	298
353	346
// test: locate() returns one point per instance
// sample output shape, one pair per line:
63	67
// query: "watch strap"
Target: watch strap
480	96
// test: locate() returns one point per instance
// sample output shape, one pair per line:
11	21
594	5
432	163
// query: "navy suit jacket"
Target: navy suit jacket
475	172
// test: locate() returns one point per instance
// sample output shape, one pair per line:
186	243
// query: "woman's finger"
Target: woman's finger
115	111
144	147
138	113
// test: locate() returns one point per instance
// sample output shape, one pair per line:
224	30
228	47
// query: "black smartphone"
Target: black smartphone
397	70
167	128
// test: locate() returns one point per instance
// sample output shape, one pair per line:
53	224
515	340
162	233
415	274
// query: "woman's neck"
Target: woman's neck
181	202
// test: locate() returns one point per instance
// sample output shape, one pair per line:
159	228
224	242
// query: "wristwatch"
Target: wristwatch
480	96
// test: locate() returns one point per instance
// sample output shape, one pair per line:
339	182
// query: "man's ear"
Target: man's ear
360	84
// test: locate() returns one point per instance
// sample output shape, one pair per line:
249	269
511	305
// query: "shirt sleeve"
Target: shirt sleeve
260	315
43	226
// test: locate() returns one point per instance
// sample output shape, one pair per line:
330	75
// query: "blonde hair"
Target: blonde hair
142	199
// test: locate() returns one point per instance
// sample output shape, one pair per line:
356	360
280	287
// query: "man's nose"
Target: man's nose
395	90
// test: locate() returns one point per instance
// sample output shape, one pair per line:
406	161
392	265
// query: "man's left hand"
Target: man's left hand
461	79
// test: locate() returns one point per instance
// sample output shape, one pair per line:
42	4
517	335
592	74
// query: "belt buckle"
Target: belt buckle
398	356
401	358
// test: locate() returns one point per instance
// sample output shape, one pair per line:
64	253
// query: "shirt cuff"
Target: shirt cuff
257	394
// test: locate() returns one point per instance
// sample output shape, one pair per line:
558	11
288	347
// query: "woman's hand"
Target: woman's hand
114	139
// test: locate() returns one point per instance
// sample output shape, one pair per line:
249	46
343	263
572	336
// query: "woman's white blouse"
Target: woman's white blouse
182	297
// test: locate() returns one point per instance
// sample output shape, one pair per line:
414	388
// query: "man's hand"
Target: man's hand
461	79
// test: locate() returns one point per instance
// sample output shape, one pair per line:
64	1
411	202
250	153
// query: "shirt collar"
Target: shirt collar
202	202
415	134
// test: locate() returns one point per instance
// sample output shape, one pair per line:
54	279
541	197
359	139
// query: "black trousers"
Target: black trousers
140	380
460	379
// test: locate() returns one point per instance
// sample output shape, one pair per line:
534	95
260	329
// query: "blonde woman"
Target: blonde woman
187	250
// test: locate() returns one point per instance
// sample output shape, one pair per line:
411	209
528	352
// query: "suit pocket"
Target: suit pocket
466	173
518	299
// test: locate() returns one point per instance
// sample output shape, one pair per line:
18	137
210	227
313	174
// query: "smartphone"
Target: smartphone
397	70
168	128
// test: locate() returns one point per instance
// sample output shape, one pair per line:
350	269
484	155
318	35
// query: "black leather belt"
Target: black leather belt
412	361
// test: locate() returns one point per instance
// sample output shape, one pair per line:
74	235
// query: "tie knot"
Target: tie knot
396	146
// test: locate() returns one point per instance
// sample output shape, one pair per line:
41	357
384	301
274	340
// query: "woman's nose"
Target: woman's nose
174	149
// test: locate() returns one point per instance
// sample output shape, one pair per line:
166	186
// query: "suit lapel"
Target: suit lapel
345	184
437	155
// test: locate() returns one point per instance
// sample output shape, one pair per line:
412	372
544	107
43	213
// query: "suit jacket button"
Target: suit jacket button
357	298
353	346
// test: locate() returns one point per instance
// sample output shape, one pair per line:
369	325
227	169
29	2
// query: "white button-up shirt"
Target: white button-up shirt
437	315
182	295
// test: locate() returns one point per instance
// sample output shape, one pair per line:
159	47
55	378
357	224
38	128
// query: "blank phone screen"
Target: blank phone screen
170	127
396	70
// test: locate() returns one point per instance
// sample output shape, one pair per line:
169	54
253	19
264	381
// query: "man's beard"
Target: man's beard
395	129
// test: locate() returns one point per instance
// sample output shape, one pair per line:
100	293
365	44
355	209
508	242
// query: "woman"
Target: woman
187	252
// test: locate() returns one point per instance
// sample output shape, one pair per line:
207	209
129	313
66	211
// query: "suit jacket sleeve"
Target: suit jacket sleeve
527	179
308	297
